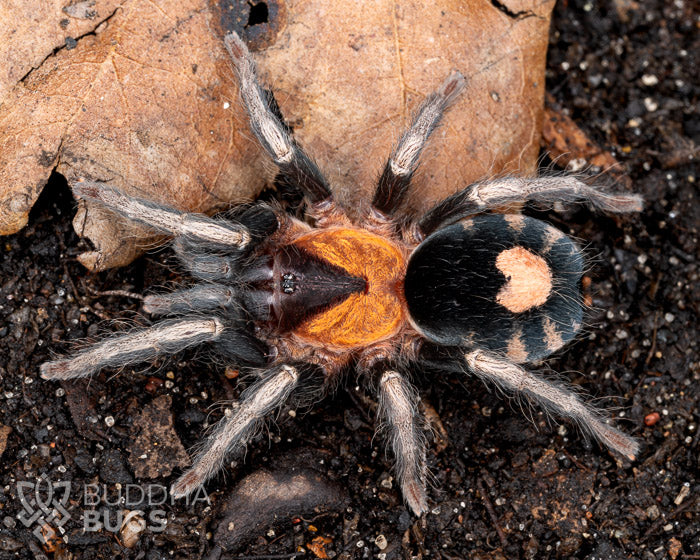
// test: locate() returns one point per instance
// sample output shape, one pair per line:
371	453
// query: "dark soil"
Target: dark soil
507	484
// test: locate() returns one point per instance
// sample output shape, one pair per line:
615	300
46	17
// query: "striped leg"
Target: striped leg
396	177
296	168
234	431
167	337
399	416
480	197
552	397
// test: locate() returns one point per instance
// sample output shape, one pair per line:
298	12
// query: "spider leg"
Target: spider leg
166	337
480	197
296	168
552	397
136	346
201	297
396	177
399	415
195	227
233	431
207	266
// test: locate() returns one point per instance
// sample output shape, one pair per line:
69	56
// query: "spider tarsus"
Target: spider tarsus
416	498
58	369
616	440
185	485
235	46
452	86
618	203
87	189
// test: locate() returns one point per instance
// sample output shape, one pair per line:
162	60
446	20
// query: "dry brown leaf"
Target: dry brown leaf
142	102
31	31
357	78
571	147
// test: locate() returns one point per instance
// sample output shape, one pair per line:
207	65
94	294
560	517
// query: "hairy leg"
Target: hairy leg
193	227
396	177
399	416
199	298
257	402
167	337
296	168
552	397
207	265
480	197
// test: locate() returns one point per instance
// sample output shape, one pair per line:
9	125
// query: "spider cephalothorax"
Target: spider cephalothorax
303	301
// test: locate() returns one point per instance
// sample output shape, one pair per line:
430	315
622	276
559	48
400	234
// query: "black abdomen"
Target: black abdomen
509	284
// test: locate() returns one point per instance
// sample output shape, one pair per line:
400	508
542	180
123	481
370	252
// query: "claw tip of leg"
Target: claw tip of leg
234	45
184	485
51	370
416	499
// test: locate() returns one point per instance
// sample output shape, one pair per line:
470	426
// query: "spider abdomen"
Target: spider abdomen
507	283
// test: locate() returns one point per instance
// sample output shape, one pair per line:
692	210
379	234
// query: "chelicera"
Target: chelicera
302	301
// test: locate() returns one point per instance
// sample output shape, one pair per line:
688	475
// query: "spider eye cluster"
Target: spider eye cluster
510	284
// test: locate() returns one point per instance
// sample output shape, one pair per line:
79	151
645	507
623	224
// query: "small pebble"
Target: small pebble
109	421
683	494
651	419
381	542
650	104
650	80
132	528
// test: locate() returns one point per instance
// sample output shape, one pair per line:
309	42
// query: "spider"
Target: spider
301	302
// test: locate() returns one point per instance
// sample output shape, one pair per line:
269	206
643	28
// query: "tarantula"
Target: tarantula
304	301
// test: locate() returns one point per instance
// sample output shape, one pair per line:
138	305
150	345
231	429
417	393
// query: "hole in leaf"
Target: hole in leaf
258	14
